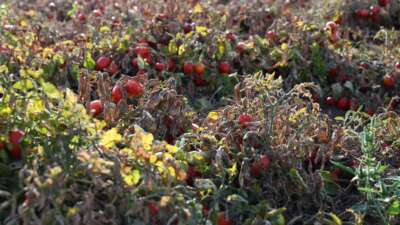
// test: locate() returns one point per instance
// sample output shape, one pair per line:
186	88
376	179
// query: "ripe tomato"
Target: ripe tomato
153	208
199	81
240	48
171	65
199	69
362	13
135	63
188	68
15	137
223	220
244	119
16	152
389	81
112	69
333	72
103	62
160	66
265	161
330	101
384	3
187	27
134	88
343	103
375	9
370	111
116	94
224	68
142	51
255	169
96	107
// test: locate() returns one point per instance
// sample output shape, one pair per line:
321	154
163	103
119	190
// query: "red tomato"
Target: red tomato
16	152
389	81
134	88
96	107
15	137
199	81
223	220
160	66
142	51
265	161
384	3
244	119
103	62
116	94
375	9
255	169
199	69
171	65
188	68
153	208
135	63
343	103
362	13
112	69
330	101
224	68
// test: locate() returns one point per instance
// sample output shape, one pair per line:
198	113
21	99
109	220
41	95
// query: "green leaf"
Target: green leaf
141	63
23	85
50	90
236	198
394	208
88	61
205	184
73	10
343	167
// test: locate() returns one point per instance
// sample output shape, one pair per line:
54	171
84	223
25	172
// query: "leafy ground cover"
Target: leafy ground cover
199	112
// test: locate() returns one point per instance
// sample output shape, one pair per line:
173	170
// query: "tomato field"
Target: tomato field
188	112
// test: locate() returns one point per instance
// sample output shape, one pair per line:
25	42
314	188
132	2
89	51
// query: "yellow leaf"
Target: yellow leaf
4	69
284	46
147	141
47	52
23	23
172	48
171	148
198	8
167	156
105	29
160	166
221	48
35	73
131	178
203	31
213	116
165	200
181	49
171	171
336	219
110	138
59	58
153	159
35	106
55	171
